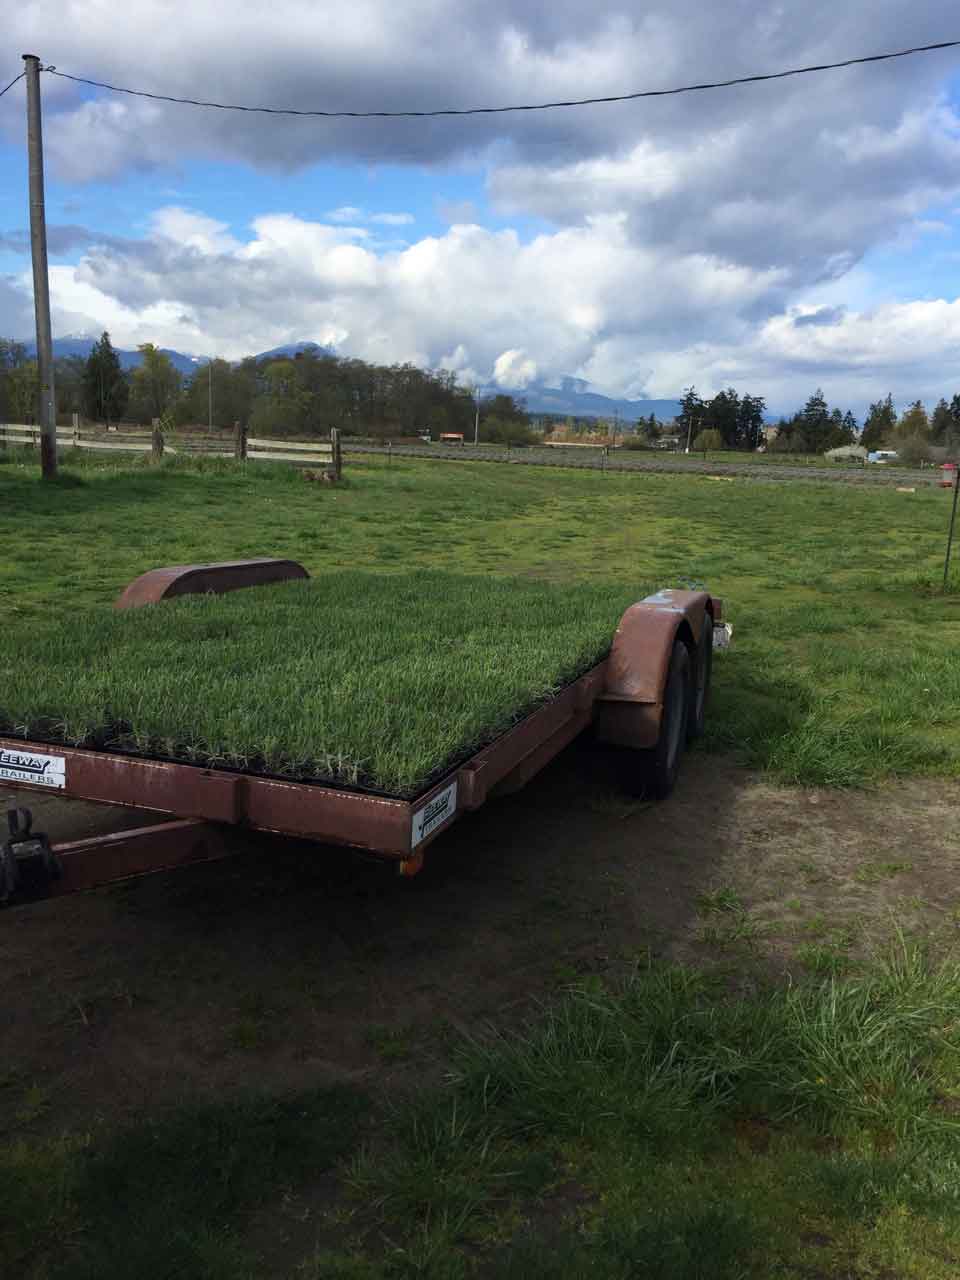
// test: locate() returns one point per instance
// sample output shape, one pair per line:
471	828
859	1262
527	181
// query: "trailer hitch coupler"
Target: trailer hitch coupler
28	866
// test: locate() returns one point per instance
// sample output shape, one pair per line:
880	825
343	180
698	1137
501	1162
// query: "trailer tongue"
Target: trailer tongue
646	698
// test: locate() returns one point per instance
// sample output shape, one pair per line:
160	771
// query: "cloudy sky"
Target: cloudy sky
777	237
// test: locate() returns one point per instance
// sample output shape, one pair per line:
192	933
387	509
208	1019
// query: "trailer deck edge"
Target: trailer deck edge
622	695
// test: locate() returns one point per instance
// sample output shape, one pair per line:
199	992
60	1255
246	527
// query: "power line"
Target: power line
535	106
12	83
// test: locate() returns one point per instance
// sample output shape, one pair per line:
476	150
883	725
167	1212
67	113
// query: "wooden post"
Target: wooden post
157	441
76	431
240	442
337	456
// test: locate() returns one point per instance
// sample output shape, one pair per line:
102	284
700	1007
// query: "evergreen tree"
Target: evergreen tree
722	414
879	423
815	422
840	433
942	423
750	422
104	390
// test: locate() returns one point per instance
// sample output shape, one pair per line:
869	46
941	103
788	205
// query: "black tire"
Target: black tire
653	773
700	683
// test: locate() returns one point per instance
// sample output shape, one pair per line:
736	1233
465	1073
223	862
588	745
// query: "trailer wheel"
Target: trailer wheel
654	772
700	685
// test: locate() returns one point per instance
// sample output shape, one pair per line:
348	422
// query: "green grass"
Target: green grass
658	1127
738	457
661	1126
353	677
661	1129
170	1195
843	669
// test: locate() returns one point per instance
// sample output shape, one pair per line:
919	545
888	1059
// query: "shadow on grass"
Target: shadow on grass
166	1196
561	883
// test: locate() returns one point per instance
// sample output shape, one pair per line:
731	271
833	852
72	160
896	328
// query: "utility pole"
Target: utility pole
210	393
41	283
476	420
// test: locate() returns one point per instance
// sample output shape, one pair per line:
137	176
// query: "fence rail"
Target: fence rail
159	443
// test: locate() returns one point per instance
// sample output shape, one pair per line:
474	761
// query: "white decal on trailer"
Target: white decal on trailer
436	811
30	766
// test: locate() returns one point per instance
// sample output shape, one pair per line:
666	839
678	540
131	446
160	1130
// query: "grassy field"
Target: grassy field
740	456
658	1129
355	677
673	1123
843	668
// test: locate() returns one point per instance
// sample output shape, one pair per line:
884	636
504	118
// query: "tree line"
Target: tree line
315	390
305	394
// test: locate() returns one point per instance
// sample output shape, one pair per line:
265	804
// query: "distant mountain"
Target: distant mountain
572	399
81	345
294	349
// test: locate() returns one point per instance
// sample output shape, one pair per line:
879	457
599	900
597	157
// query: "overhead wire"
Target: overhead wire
535	106
12	83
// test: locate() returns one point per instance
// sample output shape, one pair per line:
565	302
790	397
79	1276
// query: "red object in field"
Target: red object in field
206	579
949	477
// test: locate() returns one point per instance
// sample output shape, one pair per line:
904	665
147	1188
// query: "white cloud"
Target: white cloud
490	307
684	234
544	304
193	230
908	348
514	368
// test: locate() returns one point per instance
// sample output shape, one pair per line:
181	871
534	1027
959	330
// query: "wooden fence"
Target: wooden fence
325	454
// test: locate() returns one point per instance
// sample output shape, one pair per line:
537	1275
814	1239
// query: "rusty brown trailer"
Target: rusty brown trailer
622	697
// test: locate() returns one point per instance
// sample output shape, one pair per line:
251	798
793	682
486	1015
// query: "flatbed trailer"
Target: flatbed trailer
646	699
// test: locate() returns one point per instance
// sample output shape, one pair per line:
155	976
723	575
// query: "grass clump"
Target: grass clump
665	1129
352	677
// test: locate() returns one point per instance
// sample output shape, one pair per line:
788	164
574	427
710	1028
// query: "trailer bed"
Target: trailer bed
378	681
393	827
647	694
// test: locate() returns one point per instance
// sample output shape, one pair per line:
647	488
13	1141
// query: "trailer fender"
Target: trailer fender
629	710
204	579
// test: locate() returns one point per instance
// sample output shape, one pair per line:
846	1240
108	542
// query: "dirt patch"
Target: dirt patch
295	964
